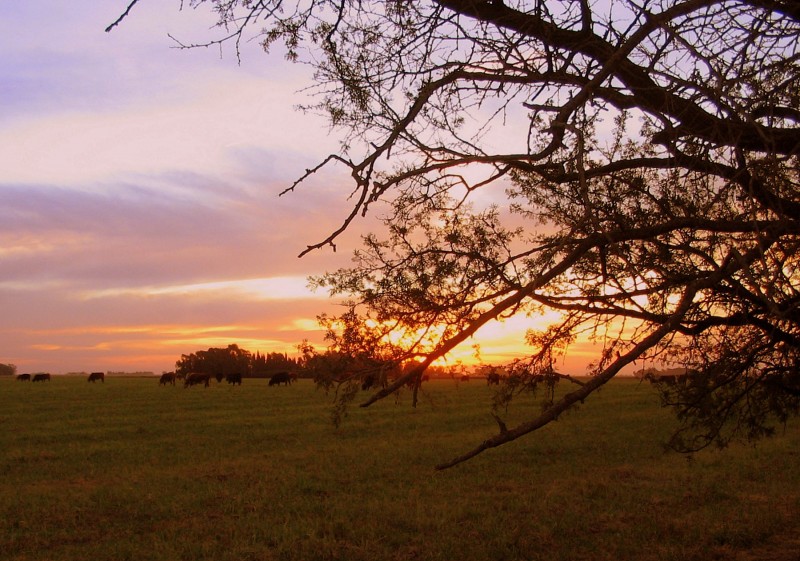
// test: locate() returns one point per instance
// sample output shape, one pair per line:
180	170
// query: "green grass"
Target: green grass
131	470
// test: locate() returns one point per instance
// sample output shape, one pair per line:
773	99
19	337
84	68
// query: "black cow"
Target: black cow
94	376
414	382
24	378
280	378
41	378
667	379
195	378
167	378
235	378
370	381
493	378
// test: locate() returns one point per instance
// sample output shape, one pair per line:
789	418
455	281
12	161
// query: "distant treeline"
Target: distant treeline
220	362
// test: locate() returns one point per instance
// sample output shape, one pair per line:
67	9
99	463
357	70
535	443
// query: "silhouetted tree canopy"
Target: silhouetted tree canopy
217	362
641	163
265	365
220	362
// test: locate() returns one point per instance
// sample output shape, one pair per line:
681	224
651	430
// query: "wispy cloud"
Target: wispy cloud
139	208
275	288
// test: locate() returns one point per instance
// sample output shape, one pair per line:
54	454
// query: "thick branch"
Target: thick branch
651	97
553	412
507	303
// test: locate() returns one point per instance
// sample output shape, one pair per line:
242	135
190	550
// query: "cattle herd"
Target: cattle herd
33	378
171	378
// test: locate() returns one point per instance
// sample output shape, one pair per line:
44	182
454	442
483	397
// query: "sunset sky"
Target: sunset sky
139	208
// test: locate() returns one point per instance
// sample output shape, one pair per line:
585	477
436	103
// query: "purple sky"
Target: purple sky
139	208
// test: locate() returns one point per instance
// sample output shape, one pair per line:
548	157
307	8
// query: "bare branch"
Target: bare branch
122	17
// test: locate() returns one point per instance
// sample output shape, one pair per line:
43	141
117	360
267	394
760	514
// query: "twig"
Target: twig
122	17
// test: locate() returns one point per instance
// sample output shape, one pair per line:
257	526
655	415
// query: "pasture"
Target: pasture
132	470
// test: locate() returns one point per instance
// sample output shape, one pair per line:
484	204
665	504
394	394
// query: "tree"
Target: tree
8	370
359	356
264	366
217	362
643	160
220	362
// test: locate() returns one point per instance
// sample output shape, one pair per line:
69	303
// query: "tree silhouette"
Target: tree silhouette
643	162
216	362
265	365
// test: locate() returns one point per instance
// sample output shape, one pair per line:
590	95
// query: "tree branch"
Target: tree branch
122	17
552	413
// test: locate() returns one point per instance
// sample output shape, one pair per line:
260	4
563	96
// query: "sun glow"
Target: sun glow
498	342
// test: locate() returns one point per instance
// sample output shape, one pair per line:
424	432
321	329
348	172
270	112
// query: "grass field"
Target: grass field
130	470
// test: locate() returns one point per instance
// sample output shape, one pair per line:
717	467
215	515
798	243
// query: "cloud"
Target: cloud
275	288
205	132
139	208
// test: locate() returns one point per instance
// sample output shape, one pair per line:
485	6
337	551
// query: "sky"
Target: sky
139	210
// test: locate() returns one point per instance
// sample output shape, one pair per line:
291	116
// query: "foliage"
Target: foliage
264	365
358	357
8	370
643	163
219	362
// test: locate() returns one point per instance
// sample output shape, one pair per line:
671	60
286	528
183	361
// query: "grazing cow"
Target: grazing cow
414	381
94	376
465	377
674	379
370	380
167	378
493	378
41	378
280	378
195	378
235	378
24	378
667	379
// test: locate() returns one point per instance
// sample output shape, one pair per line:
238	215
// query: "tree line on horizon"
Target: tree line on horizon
334	365
220	362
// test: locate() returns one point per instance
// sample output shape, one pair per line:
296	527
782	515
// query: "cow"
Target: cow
666	379
195	378
370	381
465	377
94	376
167	378
416	381
235	378
24	378
280	378
41	378
493	378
